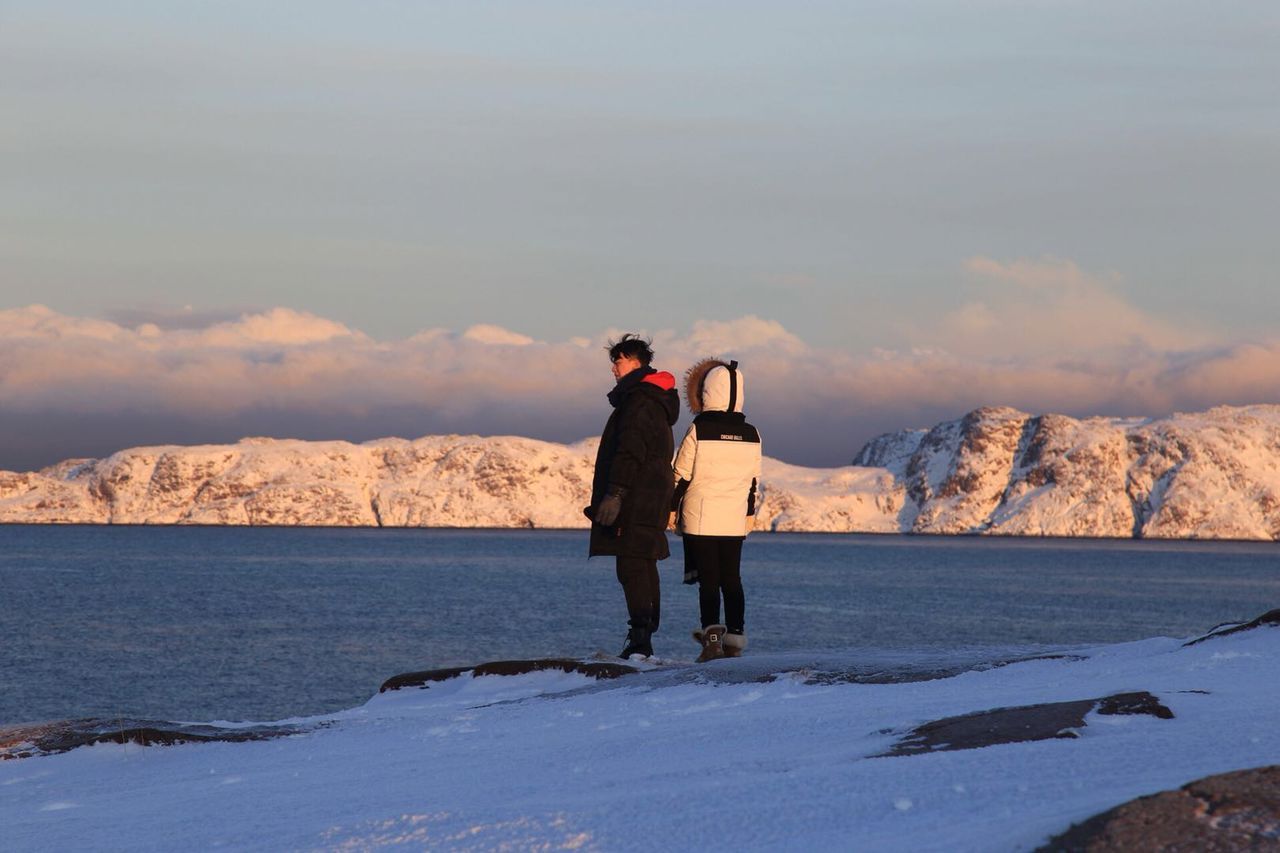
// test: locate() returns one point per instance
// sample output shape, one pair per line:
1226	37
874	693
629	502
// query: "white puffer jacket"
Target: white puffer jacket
717	467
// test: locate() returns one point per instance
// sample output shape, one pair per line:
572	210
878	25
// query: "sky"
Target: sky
334	220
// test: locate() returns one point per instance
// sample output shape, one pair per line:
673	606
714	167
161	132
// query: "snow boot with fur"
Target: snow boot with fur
712	639
734	644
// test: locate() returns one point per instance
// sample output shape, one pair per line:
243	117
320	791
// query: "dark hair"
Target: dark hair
631	346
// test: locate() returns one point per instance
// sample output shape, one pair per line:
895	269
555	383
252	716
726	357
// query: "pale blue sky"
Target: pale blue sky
871	176
563	167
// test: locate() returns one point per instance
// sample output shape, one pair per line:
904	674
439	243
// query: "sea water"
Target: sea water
218	623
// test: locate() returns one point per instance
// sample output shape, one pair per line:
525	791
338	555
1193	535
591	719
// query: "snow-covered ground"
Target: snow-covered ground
710	757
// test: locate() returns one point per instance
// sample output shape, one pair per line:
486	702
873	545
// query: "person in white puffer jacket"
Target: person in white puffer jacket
717	472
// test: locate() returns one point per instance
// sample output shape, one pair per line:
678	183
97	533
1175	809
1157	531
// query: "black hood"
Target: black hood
658	385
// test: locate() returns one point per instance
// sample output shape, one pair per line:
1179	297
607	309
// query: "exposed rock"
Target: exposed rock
892	450
591	669
801	667
27	741
1271	617
1025	723
1230	812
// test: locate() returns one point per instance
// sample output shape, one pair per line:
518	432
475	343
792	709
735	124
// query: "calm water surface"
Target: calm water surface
211	623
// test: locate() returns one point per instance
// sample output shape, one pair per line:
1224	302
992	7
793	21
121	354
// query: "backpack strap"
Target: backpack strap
733	385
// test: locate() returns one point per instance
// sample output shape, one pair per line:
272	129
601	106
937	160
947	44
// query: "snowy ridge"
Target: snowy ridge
804	759
999	471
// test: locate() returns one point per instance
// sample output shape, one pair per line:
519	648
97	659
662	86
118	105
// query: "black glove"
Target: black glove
609	508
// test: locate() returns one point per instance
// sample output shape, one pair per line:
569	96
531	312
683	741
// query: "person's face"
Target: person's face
624	365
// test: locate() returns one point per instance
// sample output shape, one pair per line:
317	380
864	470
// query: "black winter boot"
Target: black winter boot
639	642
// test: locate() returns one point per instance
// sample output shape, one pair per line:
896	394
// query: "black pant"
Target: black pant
718	560
639	579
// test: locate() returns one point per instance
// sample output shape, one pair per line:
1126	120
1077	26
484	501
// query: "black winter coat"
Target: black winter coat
635	453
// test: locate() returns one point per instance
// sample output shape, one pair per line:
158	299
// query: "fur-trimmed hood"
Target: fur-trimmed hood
707	388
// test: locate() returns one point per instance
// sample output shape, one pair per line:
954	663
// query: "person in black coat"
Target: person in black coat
632	486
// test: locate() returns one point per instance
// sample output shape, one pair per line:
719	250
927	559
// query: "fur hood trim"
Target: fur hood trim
693	378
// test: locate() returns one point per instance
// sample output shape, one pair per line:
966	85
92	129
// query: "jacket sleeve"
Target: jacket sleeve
686	454
753	496
683	467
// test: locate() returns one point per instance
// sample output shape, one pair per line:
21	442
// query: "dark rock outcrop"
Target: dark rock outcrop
1025	723
27	741
1271	617
1230	812
807	668
593	669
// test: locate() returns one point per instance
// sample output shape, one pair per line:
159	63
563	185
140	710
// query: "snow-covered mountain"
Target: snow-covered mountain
1214	474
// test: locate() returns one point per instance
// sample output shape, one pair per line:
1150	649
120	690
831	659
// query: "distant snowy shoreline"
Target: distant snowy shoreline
373	530
996	471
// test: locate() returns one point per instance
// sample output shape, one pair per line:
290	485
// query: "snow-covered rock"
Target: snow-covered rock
999	471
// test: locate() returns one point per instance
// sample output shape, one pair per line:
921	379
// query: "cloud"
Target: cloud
41	323
72	386
1050	306
279	326
746	334
485	333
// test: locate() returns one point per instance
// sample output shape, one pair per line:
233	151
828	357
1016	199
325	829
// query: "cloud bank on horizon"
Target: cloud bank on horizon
1038	335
